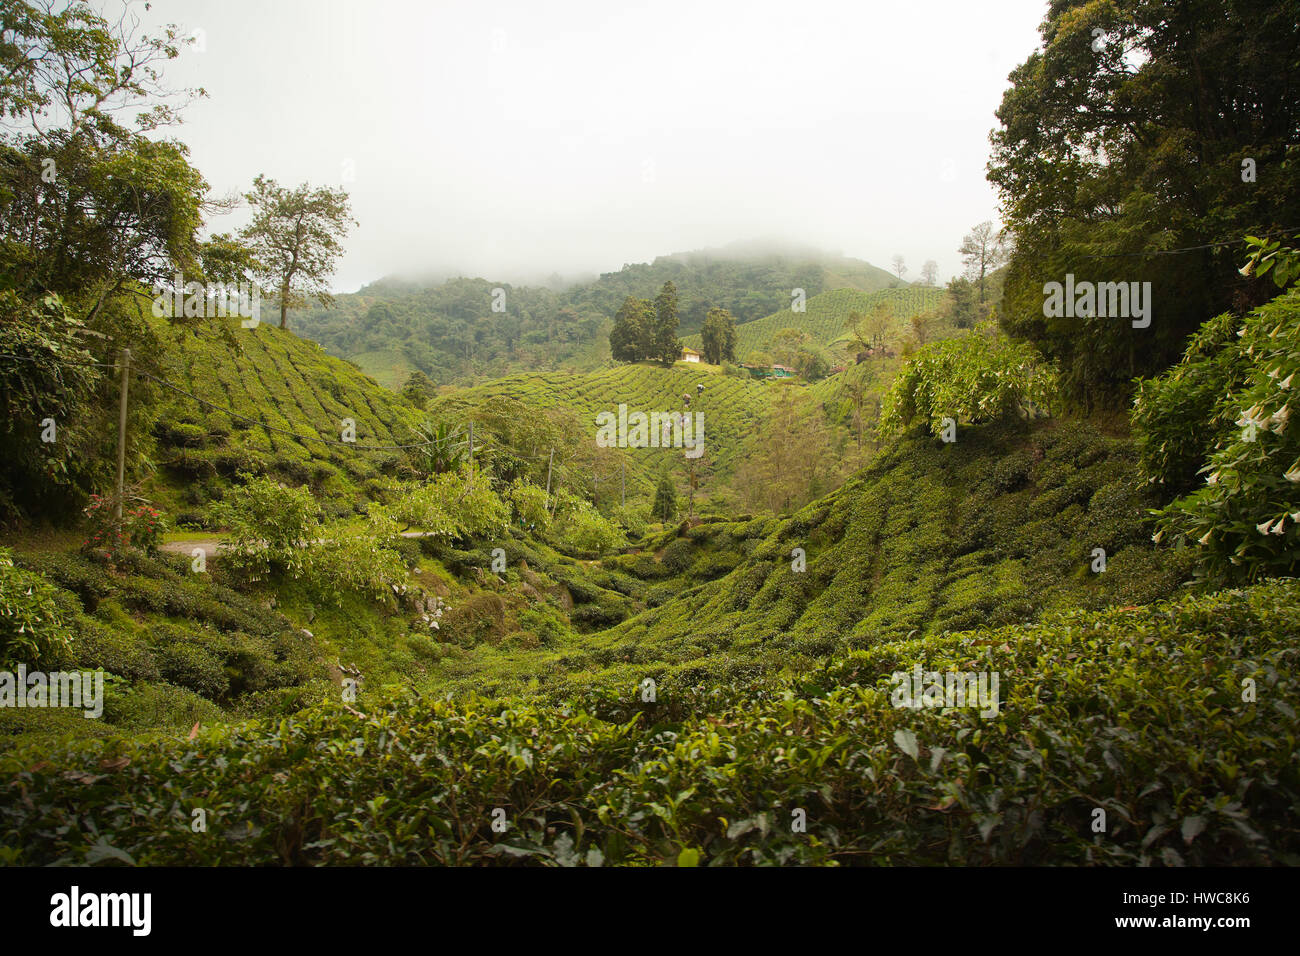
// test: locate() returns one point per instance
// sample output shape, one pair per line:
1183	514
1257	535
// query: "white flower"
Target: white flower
1213	479
1277	528
1294	473
1286	382
1206	539
1157	536
1263	527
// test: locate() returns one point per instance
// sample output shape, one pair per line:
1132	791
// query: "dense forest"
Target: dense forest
463	330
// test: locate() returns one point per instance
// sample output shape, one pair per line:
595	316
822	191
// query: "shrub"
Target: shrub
976	378
34	630
1245	520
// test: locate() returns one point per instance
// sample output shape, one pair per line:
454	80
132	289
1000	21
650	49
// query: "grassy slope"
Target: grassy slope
826	315
995	529
278	380
732	406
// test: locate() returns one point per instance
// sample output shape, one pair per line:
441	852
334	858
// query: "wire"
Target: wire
1178	252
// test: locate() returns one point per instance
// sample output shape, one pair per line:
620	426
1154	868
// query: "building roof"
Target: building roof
687	350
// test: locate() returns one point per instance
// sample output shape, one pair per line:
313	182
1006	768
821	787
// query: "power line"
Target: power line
1180	251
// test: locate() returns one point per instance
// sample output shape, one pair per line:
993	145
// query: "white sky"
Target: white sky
514	139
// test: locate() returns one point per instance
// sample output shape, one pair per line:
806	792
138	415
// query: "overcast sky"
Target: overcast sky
508	139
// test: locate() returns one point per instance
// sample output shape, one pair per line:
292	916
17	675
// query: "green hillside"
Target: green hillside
826	315
995	529
266	401
732	407
461	331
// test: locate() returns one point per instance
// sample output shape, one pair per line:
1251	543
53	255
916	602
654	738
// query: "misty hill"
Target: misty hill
450	331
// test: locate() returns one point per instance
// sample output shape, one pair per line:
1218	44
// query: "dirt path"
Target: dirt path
211	546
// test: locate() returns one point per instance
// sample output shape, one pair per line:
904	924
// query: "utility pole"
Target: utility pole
121	435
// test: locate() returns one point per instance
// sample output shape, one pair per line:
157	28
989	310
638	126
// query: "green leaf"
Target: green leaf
906	741
688	857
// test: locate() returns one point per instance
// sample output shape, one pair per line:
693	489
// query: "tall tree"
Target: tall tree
632	337
667	347
296	236
962	307
982	250
1141	127
665	503
719	335
930	272
900	268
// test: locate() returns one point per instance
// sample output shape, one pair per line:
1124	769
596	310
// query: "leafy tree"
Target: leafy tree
812	364
963	308
296	237
418	389
982	250
719	335
786	343
632	338
92	213
1140	128
922	324
977	378
871	330
667	348
665	504
789	462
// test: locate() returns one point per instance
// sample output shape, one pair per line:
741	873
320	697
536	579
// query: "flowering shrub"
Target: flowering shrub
141	528
1245	518
32	630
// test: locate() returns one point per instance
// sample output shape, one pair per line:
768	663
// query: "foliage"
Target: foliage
632	337
529	505
665	503
33	627
295	237
582	528
50	378
981	377
417	389
277	531
666	348
1106	157
718	337
141	527
1245	520
698	772
444	447
449	505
